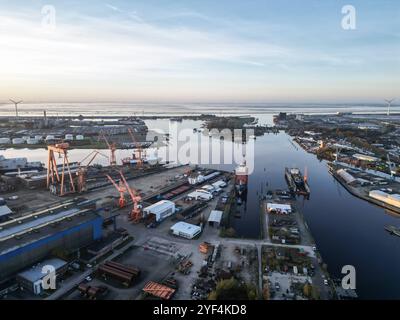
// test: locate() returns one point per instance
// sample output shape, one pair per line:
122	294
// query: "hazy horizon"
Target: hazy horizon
199	51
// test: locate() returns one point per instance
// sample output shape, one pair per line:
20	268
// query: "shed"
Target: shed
215	218
161	209
31	279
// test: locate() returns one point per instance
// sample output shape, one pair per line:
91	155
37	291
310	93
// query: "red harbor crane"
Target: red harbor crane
112	147
139	154
123	187
82	171
136	213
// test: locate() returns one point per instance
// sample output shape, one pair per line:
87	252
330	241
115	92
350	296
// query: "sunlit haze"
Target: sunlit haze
199	51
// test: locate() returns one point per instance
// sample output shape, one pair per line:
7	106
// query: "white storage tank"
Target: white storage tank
79	137
5	140
32	141
18	141
69	137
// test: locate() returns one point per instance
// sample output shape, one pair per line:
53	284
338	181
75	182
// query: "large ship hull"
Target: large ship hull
297	184
241	180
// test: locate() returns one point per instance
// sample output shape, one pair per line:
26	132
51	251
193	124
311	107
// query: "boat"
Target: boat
241	180
393	230
297	183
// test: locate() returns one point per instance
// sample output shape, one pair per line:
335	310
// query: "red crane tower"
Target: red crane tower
55	179
139	154
136	213
82	171
112	147
121	189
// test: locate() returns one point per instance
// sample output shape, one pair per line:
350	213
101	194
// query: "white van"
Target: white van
200	194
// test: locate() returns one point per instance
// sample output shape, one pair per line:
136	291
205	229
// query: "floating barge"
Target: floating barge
297	183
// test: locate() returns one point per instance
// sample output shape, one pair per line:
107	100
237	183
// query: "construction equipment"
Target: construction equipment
136	213
56	180
121	189
112	147
139	155
82	171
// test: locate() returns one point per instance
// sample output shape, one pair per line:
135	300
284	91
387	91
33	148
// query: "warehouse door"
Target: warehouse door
37	287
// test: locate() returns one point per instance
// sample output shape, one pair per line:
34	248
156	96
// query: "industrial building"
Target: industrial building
30	238
279	208
185	230
5	211
32	279
215	218
160	210
391	199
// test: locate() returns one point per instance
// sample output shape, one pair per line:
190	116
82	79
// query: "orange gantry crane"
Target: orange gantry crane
82	171
112	147
123	187
55	179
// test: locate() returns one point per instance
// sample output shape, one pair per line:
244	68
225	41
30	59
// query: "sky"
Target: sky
199	51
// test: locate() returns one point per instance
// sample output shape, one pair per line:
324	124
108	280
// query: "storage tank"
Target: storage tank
69	137
5	140
79	137
18	141
32	141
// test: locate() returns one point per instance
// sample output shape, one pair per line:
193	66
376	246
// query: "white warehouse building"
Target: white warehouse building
161	210
392	199
279	208
185	230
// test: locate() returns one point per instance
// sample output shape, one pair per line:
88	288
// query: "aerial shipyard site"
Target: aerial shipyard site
251	200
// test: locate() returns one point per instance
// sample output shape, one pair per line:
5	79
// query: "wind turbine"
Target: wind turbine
389	103
16	103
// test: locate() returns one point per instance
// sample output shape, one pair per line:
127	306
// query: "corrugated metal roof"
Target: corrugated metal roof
35	273
4	210
36	223
160	206
184	227
215	216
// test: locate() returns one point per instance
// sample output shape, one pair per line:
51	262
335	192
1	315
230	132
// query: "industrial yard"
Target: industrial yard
138	229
